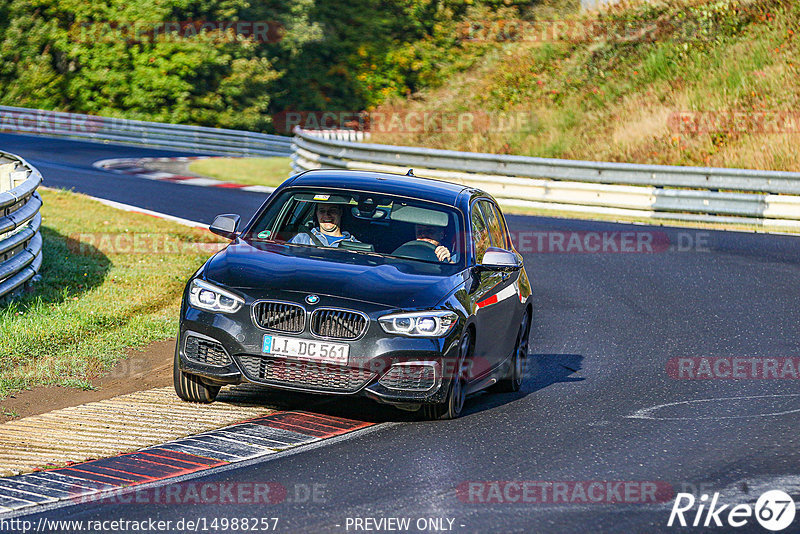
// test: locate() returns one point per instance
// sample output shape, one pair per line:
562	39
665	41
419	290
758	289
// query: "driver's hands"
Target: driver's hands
442	253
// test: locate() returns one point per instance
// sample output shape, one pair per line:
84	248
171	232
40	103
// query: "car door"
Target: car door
490	322
507	306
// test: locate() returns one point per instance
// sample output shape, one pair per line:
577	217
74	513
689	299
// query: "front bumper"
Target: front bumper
381	366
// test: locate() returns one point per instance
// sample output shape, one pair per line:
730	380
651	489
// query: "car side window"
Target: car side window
297	214
288	221
494	224
480	233
503	226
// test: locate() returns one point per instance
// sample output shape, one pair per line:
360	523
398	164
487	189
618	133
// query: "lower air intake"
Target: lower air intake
303	375
205	351
410	377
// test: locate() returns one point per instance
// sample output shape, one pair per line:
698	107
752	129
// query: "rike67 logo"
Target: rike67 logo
774	510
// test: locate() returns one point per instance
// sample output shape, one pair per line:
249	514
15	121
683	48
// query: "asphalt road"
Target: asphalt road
67	164
599	405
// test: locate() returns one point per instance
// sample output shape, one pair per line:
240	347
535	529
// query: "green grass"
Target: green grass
246	171
111	281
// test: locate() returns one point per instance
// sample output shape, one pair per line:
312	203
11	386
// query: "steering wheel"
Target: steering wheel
419	250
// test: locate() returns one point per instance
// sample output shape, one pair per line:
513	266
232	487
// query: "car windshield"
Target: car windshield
363	222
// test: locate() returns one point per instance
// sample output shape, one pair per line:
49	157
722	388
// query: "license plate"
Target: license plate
306	349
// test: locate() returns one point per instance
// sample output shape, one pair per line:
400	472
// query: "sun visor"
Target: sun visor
413	214
324	198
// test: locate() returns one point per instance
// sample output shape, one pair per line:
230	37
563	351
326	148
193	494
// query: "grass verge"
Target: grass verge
111	281
246	171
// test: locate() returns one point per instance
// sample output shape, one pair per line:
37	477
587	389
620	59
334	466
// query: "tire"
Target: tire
189	387
516	374
454	403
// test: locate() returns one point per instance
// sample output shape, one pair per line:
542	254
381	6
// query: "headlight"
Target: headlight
210	297
419	324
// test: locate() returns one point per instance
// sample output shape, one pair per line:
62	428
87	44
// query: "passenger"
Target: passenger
328	231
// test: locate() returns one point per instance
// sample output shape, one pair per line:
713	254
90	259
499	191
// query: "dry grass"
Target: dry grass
605	100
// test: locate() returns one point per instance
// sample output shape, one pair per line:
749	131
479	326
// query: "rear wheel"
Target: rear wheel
454	403
516	374
189	387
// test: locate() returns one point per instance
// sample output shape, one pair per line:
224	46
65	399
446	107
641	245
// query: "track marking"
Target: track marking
133	166
647	413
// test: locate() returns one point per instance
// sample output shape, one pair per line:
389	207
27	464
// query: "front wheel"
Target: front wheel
454	403
189	387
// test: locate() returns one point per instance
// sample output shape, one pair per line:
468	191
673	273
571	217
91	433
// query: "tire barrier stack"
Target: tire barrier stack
20	221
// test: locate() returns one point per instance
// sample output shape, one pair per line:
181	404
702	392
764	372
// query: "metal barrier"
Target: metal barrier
143	133
702	194
340	134
20	220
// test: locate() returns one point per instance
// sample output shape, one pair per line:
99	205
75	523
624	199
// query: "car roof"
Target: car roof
382	182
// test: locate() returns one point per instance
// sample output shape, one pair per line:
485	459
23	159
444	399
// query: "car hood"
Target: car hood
391	282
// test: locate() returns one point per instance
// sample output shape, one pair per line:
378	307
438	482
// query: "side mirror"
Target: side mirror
225	225
498	259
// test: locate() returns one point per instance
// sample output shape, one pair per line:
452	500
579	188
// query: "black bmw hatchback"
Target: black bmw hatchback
403	289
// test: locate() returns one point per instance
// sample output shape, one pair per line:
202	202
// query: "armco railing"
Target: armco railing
20	239
143	133
703	194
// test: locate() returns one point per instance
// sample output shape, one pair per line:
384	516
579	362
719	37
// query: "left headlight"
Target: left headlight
212	298
419	324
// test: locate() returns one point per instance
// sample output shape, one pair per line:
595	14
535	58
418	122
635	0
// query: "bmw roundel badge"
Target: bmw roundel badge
312	299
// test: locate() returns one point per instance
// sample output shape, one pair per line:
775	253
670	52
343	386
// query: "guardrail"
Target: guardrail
143	133
20	220
702	194
340	134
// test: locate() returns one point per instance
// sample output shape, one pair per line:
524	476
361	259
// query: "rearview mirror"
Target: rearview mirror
498	259
225	225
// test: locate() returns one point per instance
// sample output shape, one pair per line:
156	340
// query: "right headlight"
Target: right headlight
212	298
434	323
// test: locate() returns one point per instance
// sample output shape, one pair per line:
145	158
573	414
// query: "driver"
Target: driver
329	232
434	235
